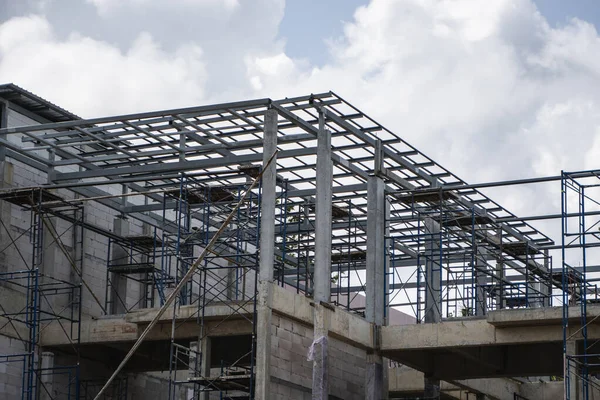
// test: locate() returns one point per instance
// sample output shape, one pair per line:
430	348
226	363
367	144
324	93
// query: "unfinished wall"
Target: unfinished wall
292	372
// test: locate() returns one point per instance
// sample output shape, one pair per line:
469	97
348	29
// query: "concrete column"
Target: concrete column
5	182
433	272
119	255
433	301
480	276
375	283
267	261
47	378
546	288
6	179
431	387
49	259
205	347
322	273
49	245
500	275
193	368
572	392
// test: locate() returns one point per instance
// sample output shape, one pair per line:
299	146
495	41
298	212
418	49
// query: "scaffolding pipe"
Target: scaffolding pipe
182	283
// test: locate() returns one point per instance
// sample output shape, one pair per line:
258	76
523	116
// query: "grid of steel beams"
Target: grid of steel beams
134	164
147	153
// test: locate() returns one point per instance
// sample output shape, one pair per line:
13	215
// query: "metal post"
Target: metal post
322	269
375	283
267	261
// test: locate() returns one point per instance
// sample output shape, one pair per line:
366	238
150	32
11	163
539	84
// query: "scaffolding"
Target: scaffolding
580	239
227	276
450	250
463	258
38	302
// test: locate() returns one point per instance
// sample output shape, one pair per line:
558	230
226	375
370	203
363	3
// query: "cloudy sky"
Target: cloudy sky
493	89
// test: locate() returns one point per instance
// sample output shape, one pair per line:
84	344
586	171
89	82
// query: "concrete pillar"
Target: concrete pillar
205	347
5	182
49	259
6	179
49	245
433	272
267	261
193	368
572	389
546	287
322	272
431	387
119	255
480	277
433	300
47	378
500	275
375	281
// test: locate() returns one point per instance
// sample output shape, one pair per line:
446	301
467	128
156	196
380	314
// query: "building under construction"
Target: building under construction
278	249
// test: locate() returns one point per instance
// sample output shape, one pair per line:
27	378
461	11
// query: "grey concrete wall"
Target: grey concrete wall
292	372
10	372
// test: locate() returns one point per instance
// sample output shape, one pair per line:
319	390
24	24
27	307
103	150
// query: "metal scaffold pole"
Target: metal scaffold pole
184	280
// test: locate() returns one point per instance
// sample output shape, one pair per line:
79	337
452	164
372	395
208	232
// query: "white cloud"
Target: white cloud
108	7
477	85
92	77
488	89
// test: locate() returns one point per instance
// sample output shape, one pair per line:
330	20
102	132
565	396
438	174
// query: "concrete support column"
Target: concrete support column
6	179
500	275
118	294
49	246
481	275
205	354
433	300
572	389
193	369
49	259
322	273
433	272
47	378
431	387
267	261
375	283
546	287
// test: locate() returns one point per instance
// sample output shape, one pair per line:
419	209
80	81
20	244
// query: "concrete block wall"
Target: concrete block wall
292	372
11	372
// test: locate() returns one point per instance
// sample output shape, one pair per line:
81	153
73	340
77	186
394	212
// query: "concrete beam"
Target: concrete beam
405	380
347	327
